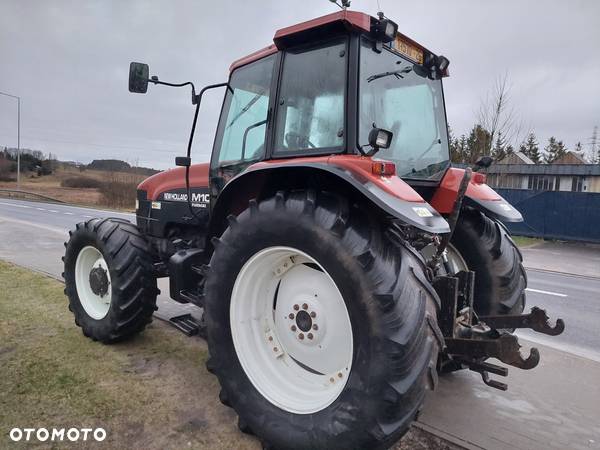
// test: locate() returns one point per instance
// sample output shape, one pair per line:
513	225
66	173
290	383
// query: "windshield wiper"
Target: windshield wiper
396	73
245	108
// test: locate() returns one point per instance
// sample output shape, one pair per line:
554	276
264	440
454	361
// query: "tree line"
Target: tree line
31	161
499	129
467	149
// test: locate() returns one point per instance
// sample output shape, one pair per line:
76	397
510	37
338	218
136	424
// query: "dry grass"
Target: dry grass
120	190
81	182
524	241
52	186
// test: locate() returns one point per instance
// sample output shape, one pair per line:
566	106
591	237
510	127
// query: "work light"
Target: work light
442	63
385	30
380	138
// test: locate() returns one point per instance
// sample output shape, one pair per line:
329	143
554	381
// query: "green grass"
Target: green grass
523	241
151	392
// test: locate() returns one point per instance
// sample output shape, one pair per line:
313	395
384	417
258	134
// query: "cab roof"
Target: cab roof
303	32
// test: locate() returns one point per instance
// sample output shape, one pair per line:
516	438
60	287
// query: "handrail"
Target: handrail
25	193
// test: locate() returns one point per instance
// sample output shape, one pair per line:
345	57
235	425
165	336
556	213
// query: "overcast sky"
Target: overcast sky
69	61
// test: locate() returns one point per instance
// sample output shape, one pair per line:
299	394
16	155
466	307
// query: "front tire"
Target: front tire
487	249
378	310
109	279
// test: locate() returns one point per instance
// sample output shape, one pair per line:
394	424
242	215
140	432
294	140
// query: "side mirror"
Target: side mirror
380	138
138	77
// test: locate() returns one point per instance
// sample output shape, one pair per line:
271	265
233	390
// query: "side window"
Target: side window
310	114
241	134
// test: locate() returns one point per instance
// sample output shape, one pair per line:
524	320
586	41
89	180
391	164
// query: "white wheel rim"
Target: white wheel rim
296	372
95	305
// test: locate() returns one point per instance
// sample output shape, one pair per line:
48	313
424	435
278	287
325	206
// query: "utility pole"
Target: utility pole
18	137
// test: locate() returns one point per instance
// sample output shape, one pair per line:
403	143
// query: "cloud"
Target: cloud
68	60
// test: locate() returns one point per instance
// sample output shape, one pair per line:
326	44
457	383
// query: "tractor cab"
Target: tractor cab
323	87
344	101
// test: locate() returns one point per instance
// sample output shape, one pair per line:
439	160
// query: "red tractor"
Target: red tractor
341	261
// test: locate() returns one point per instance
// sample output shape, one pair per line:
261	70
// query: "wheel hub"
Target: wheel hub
303	321
99	281
306	322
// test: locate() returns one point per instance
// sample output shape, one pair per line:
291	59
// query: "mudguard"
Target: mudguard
479	196
389	193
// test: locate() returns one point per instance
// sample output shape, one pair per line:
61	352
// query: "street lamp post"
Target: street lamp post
18	137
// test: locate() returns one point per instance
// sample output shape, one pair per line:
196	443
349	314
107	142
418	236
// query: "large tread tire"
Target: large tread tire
488	250
392	308
133	284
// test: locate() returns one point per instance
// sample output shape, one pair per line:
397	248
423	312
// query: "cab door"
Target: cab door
245	122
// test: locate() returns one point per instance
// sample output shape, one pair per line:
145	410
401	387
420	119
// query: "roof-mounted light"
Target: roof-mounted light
442	63
385	30
438	65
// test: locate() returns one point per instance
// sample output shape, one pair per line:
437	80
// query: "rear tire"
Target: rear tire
121	299
488	250
392	311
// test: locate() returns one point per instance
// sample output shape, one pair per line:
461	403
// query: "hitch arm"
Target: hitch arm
537	320
506	348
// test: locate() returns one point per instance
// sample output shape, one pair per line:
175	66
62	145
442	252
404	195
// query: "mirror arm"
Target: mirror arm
196	99
155	80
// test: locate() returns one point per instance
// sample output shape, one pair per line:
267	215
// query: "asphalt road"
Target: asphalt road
32	235
576	300
29	236
554	406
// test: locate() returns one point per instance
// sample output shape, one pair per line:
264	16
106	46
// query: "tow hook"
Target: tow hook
470	339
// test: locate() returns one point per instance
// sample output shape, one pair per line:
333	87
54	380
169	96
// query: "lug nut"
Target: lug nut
275	349
313	314
304	306
309	335
315	326
340	375
296	307
331	380
270	338
294	328
291	316
301	336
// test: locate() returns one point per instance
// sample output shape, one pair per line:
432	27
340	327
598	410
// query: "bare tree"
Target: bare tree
498	117
594	152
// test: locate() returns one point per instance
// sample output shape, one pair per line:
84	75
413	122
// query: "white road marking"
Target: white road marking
60	231
539	291
89	217
40	209
68	214
52	211
13	204
124	215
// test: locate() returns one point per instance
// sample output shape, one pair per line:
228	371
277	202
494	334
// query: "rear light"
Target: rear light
383	168
479	178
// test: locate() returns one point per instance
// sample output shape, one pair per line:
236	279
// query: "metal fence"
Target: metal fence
571	216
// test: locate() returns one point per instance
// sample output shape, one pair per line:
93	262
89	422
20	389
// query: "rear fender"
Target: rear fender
390	194
479	196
